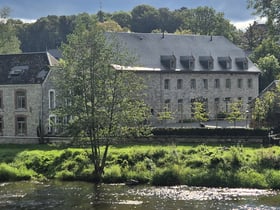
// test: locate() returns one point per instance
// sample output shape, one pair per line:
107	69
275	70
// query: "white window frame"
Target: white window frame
52	102
52	128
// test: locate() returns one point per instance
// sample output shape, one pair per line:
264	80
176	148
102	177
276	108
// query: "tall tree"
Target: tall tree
254	35
206	21
270	68
103	104
269	9
122	18
267	56
9	42
263	113
199	111
111	25
46	33
167	20
145	18
235	113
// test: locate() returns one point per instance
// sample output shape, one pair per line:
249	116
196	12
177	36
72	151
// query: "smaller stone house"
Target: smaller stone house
23	83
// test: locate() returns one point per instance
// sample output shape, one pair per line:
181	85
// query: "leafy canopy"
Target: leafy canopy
99	103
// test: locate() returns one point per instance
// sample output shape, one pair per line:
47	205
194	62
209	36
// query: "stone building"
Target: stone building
181	69
23	93
177	69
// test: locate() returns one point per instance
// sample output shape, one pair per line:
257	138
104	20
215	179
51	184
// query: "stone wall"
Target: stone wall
18	140
32	111
157	94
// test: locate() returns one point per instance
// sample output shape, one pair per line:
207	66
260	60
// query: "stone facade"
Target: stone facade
181	95
22	93
30	112
177	69
181	69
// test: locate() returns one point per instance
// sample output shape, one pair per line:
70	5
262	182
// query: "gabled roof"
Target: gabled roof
149	47
25	68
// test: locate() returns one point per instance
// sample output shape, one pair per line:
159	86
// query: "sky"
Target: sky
29	10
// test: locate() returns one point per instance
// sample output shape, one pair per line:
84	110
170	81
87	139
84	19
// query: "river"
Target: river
82	195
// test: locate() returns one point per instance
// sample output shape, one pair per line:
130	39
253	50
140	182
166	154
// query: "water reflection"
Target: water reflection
80	195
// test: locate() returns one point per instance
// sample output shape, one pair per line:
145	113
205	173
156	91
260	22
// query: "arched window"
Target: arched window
52	103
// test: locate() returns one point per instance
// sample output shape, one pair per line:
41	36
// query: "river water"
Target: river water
81	195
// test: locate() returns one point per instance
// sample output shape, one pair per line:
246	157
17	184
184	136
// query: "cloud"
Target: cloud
26	20
243	25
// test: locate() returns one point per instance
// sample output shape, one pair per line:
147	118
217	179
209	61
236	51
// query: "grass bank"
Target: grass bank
200	165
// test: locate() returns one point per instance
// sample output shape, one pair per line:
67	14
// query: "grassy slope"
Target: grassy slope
201	165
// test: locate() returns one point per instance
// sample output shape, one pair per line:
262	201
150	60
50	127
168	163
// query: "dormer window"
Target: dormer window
206	62
168	61
17	71
242	62
187	62
225	62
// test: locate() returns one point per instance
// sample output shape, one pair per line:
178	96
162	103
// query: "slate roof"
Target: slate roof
25	68
149	47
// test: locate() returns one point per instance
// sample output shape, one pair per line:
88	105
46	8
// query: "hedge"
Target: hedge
209	132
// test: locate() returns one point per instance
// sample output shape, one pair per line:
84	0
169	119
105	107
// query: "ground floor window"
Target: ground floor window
21	125
1	126
52	124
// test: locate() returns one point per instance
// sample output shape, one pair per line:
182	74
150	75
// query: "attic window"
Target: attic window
225	62
17	71
187	62
242	62
168	61
206	62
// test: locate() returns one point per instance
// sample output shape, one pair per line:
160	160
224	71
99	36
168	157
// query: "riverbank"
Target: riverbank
199	165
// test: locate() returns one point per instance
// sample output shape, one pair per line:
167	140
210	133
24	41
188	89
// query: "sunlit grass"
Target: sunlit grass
195	165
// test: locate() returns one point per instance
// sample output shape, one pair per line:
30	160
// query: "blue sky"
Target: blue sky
234	10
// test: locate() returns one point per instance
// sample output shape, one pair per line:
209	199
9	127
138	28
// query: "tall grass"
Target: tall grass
201	165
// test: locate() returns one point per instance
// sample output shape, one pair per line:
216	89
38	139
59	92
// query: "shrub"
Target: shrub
9	173
65	175
273	179
216	162
113	174
168	177
248	177
142	177
269	159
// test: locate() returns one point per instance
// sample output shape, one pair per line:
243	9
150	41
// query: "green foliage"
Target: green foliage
268	9
168	177
265	108
113	174
9	173
104	103
273	178
248	177
9	42
269	159
209	132
122	18
266	55
49	32
253	36
199	111
144	19
235	113
270	70
200	165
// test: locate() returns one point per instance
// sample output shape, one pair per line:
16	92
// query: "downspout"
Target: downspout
41	127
